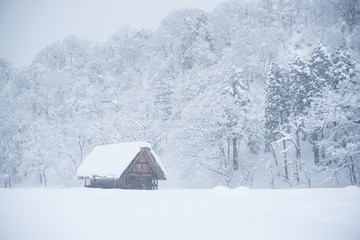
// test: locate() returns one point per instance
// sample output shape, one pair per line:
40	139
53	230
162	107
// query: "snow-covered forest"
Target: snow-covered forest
255	93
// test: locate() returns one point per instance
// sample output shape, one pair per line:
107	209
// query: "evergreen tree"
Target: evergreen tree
342	67
237	86
277	102
163	97
320	67
299	87
299	77
236	91
321	76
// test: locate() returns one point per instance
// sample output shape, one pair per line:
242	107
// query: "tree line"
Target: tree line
207	90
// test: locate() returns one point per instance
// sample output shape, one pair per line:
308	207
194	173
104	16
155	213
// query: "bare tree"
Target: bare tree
349	10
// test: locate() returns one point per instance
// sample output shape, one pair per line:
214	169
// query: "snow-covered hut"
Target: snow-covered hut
130	165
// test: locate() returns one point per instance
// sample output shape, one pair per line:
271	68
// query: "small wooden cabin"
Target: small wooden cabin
131	165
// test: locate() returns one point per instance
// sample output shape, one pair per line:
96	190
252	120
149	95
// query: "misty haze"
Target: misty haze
185	120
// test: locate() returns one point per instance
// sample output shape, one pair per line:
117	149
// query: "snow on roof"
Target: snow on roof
159	162
111	160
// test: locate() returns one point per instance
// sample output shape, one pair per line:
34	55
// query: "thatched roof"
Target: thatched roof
110	161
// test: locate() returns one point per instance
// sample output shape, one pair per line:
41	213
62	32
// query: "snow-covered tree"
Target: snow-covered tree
277	108
299	100
321	76
337	111
320	67
175	88
343	69
299	77
349	11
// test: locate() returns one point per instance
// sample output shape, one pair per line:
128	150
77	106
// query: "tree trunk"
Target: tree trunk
235	155
285	161
316	150
44	176
308	178
322	149
228	150
298	152
228	162
352	171
274	155
297	177
298	157
40	178
284	146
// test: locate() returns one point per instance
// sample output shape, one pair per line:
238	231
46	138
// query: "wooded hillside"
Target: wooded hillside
256	93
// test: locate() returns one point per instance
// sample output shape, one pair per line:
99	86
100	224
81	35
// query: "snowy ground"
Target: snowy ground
220	213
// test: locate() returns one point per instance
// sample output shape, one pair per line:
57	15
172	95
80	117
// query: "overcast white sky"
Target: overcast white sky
27	26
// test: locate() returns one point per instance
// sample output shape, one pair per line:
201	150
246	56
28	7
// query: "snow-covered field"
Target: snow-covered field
220	213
